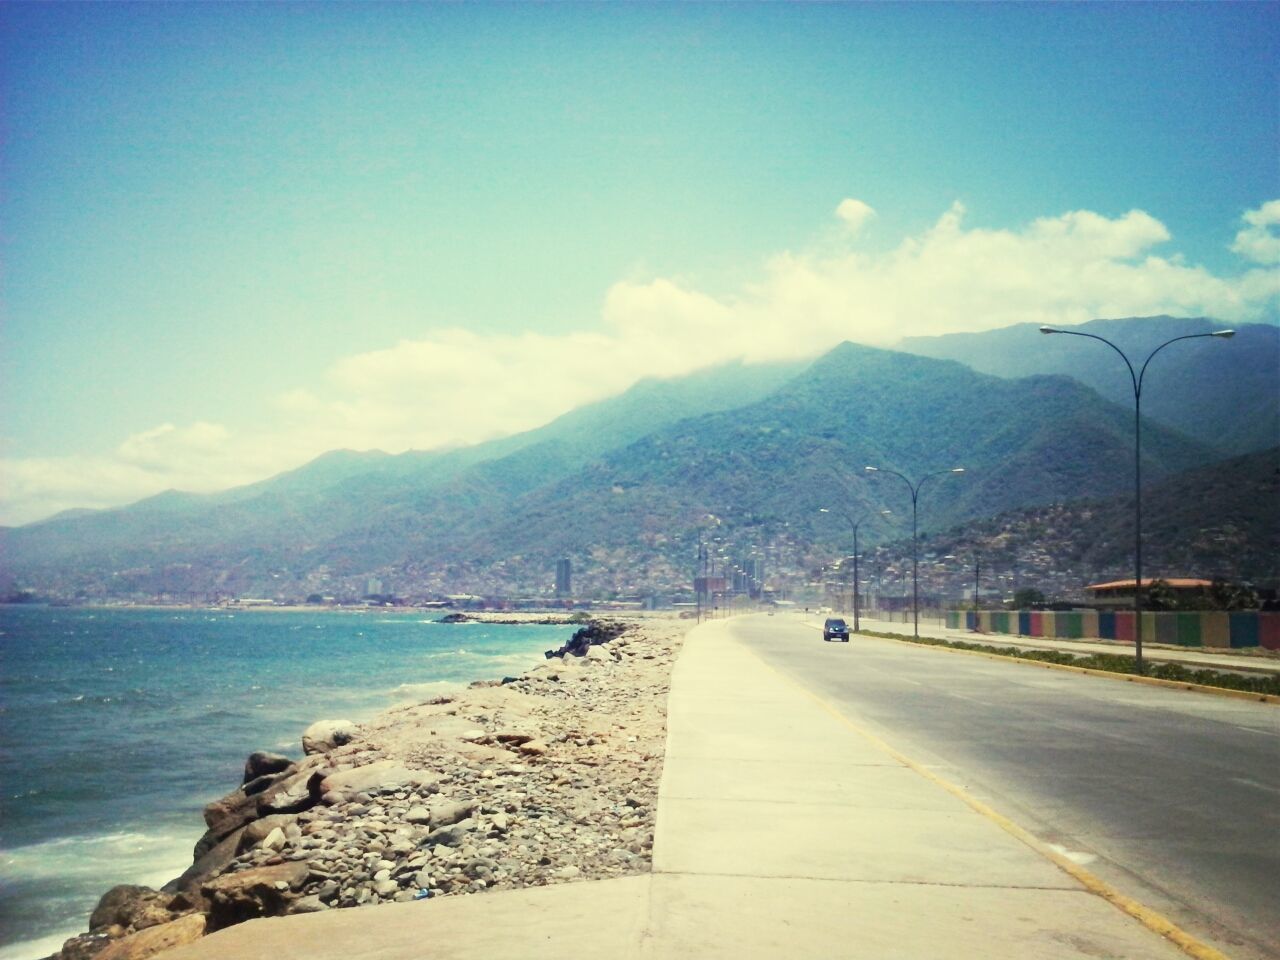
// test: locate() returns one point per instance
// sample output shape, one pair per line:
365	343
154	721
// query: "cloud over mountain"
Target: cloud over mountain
454	386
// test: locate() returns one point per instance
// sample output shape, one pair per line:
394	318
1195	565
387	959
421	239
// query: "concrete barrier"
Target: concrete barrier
1207	628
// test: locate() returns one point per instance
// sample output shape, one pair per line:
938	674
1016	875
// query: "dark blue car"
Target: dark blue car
835	629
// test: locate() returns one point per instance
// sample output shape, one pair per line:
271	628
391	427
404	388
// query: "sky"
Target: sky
235	236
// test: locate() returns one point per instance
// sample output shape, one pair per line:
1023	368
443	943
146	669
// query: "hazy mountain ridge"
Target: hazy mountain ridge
624	486
1236	405
327	508
765	469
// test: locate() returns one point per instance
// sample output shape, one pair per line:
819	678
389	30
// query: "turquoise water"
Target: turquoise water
117	726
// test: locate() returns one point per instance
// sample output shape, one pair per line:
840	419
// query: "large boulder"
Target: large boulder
259	830
153	940
263	763
209	863
325	735
132	907
372	777
86	946
295	793
225	816
249	894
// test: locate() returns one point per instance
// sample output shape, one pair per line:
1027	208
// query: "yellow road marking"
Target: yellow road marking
1149	918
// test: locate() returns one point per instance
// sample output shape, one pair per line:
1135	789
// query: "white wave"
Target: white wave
40	948
152	859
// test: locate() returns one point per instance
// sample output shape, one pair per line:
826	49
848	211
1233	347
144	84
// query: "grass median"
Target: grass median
1108	663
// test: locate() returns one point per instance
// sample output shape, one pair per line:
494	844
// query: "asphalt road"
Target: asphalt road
1172	797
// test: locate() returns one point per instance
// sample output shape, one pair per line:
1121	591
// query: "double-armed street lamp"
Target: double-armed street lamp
854	525
1137	379
915	551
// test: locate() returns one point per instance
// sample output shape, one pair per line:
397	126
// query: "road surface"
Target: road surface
1173	797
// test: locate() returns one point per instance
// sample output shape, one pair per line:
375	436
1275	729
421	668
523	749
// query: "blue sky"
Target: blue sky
237	235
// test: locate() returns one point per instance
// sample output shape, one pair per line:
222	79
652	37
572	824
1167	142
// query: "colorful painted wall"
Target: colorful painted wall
1203	629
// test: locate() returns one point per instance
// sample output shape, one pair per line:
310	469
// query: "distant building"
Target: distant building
1119	593
564	578
373	587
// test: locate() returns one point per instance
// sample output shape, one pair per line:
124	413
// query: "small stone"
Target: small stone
312	904
274	840
418	814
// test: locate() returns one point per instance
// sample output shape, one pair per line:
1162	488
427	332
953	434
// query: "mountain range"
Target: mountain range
1224	393
627	487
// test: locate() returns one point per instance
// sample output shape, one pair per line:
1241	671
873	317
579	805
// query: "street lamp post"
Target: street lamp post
1136	379
915	551
854	525
977	579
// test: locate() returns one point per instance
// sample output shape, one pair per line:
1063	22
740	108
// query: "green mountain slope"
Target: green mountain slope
1225	393
1221	520
765	469
622	490
351	508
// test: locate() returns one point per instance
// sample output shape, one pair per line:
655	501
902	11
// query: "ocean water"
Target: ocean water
118	725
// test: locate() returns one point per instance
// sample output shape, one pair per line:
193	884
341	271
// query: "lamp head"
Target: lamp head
871	469
1224	334
957	469
1048	329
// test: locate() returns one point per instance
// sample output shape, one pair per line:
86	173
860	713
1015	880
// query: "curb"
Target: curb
1151	919
1126	677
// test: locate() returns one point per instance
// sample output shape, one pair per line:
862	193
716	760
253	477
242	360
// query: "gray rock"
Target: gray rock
256	892
326	735
132	907
418	814
353	783
263	763
443	814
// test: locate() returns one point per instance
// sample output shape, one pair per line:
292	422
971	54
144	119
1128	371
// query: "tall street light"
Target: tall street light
915	551
854	525
1136	379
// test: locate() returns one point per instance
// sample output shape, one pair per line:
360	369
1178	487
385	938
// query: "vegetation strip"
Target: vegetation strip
1151	919
1261	689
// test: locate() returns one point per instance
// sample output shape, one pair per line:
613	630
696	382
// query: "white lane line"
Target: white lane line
1253	783
1264	733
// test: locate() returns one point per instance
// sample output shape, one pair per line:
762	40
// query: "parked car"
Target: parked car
835	629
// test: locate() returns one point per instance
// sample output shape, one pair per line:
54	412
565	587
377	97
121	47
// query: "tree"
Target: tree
1161	596
1224	595
1027	597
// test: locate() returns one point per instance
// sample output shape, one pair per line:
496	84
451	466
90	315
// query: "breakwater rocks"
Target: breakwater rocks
544	778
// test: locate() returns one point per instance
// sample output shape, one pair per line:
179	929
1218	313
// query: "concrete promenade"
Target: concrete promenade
782	831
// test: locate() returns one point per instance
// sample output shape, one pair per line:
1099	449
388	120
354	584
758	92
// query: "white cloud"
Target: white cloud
456	386
1258	241
854	213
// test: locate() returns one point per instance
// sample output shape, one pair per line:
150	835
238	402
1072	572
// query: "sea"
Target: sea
117	725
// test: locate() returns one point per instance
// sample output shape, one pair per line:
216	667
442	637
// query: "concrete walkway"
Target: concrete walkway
1187	656
782	832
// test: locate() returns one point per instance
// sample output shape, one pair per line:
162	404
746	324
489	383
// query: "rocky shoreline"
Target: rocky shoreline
545	778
